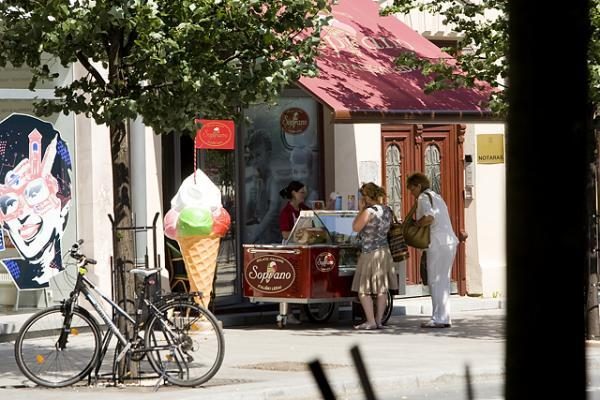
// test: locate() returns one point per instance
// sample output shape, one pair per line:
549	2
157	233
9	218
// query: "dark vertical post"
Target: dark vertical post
240	196
548	147
361	370
591	293
319	374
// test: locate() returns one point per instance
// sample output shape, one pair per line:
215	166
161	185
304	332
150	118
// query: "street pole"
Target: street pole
549	147
592	314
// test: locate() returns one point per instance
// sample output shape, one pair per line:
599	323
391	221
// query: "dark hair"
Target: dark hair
418	178
293	186
372	191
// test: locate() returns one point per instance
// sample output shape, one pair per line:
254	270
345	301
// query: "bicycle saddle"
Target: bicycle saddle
144	271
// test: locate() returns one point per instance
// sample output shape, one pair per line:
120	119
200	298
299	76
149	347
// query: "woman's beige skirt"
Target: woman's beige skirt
375	272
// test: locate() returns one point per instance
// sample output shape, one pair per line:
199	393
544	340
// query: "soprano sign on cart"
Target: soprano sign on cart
270	274
325	262
215	134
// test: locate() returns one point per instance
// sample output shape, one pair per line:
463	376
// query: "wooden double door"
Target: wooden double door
437	151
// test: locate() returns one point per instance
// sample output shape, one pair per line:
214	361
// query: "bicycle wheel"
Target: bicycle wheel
389	308
40	355
387	313
185	343
319	312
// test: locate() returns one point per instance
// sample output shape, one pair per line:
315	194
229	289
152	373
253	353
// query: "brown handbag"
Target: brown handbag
416	236
396	242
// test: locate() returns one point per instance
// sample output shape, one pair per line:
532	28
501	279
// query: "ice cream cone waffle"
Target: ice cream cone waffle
200	259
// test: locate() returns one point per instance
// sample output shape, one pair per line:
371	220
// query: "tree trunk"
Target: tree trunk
123	251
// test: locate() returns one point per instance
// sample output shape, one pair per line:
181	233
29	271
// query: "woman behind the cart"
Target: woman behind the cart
295	194
374	274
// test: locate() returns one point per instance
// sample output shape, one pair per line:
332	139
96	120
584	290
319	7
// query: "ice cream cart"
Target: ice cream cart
314	267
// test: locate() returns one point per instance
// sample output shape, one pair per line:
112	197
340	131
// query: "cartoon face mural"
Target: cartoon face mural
35	195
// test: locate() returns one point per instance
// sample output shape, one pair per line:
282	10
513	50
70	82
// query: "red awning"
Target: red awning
358	79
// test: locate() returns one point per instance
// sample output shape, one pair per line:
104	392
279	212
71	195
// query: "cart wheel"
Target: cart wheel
319	312
281	321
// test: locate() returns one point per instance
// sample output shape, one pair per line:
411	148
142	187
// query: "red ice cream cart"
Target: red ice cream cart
314	267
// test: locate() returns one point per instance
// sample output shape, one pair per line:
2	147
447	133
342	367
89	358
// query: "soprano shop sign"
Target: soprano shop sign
270	274
294	120
215	134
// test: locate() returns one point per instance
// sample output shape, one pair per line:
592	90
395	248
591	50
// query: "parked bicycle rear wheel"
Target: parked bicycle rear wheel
42	358
186	344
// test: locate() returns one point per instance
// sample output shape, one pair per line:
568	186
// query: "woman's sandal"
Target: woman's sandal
365	327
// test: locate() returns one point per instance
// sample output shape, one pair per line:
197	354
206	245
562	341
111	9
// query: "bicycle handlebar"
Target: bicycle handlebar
77	255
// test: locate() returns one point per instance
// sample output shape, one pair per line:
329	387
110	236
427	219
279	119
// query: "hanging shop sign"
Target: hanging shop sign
215	134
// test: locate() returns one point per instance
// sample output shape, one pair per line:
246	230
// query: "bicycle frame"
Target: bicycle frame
87	288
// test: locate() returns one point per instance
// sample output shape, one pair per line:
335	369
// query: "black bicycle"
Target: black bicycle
63	344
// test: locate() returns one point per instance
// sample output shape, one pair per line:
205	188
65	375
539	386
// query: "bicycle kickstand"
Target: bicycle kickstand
163	378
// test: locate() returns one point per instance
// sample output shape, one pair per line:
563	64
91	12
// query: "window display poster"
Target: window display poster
281	145
35	197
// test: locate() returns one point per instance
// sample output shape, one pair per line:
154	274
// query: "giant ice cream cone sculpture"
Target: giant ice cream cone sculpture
200	223
200	258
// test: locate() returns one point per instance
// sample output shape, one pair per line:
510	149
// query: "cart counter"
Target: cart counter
316	264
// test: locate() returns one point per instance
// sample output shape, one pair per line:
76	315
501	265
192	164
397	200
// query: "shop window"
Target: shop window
393	175
282	144
433	167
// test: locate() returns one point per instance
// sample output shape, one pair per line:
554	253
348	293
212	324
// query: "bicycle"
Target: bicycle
61	345
322	312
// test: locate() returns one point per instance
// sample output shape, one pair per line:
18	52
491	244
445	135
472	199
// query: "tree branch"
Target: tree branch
130	42
231	57
157	86
90	68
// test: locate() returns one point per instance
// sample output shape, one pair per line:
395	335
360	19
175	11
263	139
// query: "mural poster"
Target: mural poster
281	145
35	197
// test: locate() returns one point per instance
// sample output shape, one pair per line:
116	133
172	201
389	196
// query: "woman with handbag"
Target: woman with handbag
432	210
374	270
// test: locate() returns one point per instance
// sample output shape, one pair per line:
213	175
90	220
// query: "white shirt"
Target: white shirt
441	228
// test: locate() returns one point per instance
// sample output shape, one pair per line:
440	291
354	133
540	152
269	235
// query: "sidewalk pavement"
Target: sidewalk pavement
264	362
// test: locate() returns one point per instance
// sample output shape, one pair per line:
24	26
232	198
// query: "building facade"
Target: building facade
333	138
